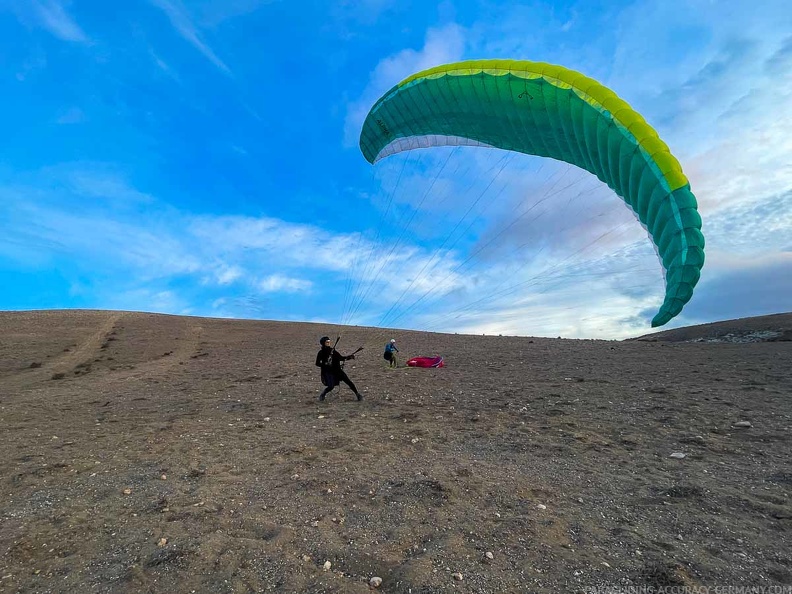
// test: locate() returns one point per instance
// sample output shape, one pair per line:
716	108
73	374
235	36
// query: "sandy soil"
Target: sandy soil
149	453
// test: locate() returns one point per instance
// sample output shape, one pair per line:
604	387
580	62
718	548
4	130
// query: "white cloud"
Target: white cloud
572	318
99	240
585	294
570	23
227	274
752	228
397	279
287	244
279	283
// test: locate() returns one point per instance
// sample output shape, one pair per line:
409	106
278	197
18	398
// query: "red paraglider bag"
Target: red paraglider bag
426	362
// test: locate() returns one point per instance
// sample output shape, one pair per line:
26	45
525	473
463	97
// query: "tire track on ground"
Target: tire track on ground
84	352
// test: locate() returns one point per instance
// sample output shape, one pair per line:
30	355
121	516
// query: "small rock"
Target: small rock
694	439
162	542
457	576
315	524
320	417
743	424
306	558
127	491
678	455
327	565
580	500
164	476
679	537
414	440
295	476
541	506
606	564
489	555
375	582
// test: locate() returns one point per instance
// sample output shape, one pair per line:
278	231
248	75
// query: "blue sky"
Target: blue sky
200	157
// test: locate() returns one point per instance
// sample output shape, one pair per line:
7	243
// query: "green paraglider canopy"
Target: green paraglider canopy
551	111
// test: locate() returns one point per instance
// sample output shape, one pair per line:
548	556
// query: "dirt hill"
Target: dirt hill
151	453
776	327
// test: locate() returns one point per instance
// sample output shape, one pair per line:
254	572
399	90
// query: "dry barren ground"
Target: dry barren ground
150	453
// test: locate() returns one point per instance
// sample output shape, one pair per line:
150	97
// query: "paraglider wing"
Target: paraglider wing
551	111
426	362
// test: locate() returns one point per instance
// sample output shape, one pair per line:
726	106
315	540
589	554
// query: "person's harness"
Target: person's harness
327	365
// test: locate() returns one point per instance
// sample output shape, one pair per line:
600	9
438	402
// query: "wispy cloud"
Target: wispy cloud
121	231
781	61
227	274
162	64
244	306
52	16
184	25
570	318
545	297
281	283
717	103
295	245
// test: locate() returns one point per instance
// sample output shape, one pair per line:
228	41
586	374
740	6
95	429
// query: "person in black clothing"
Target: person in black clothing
329	360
